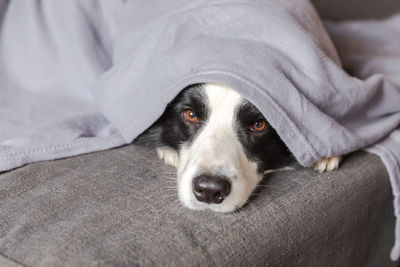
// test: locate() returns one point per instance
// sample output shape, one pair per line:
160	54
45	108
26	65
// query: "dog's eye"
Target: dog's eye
190	116
258	126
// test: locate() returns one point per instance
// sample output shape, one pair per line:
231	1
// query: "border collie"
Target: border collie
221	145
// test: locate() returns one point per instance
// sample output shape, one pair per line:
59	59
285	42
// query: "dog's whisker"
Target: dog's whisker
242	212
266	185
170	195
169	174
172	190
252	206
170	183
171	180
174	203
280	169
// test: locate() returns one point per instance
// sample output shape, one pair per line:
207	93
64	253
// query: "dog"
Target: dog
221	145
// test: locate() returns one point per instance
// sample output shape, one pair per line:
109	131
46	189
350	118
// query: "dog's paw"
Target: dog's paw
327	164
169	155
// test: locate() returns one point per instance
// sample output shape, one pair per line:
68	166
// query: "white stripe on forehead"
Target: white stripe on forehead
222	102
217	151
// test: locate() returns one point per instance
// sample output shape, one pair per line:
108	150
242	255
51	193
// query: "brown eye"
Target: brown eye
258	126
190	116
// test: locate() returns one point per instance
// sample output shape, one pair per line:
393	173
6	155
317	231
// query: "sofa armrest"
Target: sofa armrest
116	207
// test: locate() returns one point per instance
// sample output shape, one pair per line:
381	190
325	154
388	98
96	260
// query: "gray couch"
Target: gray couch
120	208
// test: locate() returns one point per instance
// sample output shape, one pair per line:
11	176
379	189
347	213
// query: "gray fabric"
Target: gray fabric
116	208
377	55
49	60
356	9
79	76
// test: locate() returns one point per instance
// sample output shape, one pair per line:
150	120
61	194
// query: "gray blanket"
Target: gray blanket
80	76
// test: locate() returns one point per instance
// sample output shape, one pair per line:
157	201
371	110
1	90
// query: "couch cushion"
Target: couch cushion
356	9
120	207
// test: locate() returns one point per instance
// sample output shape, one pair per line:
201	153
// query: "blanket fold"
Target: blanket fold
81	76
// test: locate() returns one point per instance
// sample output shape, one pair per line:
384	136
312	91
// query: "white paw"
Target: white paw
169	155
327	164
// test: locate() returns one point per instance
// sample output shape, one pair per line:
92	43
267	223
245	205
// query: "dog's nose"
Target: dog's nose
211	189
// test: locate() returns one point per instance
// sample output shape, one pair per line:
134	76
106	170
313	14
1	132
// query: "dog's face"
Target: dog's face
223	143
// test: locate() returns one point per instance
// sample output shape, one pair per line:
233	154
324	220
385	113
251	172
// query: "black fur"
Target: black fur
171	129
266	148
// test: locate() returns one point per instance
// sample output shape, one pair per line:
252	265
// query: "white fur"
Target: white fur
217	150
169	155
327	164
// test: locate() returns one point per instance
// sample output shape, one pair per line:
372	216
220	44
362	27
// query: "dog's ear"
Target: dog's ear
152	137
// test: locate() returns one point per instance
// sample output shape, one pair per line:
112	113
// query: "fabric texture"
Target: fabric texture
119	208
80	76
340	10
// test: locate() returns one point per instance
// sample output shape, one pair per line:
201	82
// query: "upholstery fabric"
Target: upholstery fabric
120	208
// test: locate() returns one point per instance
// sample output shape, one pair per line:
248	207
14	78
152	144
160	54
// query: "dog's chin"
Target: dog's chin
224	207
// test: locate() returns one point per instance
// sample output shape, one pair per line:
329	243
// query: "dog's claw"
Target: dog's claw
169	155
327	164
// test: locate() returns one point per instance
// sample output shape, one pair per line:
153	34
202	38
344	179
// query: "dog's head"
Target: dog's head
224	145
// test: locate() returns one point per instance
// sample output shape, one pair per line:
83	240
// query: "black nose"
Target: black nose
211	189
